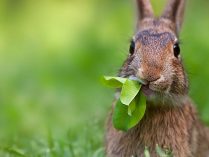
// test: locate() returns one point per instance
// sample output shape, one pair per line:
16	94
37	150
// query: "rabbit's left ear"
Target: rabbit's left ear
144	9
174	11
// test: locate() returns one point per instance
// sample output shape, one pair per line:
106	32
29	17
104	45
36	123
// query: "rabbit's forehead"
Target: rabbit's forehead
153	39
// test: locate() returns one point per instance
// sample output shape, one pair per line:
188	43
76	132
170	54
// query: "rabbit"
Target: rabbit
171	119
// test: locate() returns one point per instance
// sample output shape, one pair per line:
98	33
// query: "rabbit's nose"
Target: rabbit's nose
147	76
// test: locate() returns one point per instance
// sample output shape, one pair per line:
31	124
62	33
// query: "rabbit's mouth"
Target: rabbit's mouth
147	91
145	86
150	89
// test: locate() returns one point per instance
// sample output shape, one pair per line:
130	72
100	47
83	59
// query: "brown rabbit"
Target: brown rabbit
170	120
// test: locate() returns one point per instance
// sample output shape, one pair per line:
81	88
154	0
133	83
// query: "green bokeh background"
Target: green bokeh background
52	54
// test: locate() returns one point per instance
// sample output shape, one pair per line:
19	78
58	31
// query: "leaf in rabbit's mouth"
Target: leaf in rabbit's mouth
129	90
131	105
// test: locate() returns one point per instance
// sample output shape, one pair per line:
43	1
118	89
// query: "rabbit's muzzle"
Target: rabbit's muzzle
153	82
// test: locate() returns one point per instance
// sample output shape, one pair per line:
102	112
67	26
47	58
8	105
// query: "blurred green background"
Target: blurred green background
52	54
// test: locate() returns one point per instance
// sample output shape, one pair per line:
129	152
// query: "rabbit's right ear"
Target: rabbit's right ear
144	9
174	11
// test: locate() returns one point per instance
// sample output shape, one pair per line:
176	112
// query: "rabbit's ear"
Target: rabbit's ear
144	9
174	11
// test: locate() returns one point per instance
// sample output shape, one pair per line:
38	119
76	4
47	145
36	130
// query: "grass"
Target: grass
52	54
83	142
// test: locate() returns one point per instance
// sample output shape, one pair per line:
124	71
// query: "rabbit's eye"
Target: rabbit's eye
176	50
132	47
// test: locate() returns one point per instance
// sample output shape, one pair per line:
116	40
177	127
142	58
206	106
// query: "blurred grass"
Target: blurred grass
52	54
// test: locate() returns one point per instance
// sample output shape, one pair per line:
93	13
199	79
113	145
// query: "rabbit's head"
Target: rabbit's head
155	52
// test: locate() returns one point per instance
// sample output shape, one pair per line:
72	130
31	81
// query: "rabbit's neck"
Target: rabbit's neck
156	108
168	100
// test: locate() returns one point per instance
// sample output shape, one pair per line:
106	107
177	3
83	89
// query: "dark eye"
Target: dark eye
132	47
176	50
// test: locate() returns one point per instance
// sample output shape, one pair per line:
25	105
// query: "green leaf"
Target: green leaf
121	119
129	90
131	108
115	82
120	116
139	111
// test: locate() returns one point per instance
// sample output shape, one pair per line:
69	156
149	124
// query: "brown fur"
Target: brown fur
170	119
